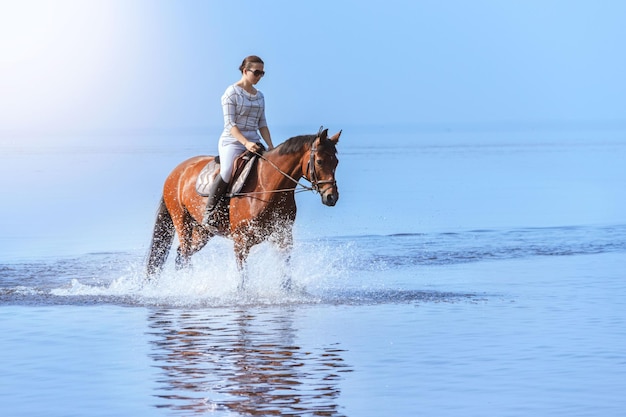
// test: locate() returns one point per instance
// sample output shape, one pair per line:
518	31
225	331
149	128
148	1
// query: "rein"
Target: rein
315	183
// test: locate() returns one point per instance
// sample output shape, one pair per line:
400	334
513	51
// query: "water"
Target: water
461	273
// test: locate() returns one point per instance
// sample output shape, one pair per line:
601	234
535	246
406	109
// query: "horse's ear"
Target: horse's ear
335	138
323	135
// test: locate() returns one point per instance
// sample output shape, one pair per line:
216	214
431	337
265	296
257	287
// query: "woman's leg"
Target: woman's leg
228	154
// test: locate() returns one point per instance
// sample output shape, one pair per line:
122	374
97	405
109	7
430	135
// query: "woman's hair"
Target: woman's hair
252	59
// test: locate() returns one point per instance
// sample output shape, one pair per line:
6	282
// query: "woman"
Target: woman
244	119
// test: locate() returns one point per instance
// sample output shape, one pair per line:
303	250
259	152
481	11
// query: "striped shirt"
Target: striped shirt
244	110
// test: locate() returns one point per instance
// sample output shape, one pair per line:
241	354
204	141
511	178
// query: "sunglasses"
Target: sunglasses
257	73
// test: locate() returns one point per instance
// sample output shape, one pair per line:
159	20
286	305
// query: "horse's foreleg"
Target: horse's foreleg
284	242
242	249
286	282
242	267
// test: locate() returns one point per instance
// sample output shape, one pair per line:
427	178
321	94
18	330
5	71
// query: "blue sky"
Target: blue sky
158	64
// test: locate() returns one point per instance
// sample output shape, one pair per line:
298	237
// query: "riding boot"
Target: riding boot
218	188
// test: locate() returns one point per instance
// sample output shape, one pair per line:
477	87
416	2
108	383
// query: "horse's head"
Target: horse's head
322	165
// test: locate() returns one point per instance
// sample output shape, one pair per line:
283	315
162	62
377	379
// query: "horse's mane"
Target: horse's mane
294	144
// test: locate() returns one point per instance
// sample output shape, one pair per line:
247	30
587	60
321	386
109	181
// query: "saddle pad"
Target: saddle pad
206	178
211	170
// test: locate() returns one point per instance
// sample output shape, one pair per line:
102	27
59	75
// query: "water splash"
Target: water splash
213	280
346	270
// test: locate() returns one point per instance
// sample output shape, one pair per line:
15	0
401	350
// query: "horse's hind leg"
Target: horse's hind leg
182	260
183	253
162	238
199	238
195	239
185	246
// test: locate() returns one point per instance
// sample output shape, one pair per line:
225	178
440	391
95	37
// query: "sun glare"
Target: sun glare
53	59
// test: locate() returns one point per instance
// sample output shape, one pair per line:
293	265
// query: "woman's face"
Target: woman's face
254	72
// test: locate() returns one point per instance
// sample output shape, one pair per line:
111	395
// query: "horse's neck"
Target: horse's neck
280	171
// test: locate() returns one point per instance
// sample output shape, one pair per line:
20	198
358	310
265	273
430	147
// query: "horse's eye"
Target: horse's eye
319	162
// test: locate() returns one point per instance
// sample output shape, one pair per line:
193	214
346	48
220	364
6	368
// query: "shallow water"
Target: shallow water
488	281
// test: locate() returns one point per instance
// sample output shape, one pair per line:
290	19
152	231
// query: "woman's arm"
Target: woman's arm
265	134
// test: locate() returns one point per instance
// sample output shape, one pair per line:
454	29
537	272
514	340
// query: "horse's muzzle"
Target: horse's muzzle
330	197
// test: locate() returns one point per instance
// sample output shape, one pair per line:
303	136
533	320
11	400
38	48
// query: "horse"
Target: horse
263	210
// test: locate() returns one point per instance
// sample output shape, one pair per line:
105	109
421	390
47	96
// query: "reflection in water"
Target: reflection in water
242	361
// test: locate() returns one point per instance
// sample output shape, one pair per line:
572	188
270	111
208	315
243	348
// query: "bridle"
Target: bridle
315	183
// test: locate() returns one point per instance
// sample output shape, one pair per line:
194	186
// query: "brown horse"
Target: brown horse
264	209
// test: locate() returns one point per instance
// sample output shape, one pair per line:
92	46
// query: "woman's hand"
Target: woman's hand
252	146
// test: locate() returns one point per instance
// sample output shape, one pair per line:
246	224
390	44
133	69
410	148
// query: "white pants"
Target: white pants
228	153
230	148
